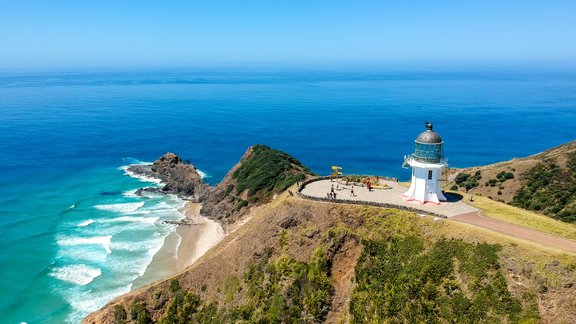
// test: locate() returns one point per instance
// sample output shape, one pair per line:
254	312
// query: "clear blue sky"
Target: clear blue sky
155	33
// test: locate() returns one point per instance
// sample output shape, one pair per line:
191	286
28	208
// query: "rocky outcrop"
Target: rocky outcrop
177	177
261	173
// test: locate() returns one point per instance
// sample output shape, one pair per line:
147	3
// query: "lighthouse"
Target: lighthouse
426	162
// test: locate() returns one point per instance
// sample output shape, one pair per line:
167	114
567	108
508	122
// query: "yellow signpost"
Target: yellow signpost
335	172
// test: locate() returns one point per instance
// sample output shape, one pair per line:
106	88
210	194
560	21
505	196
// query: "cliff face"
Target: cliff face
544	182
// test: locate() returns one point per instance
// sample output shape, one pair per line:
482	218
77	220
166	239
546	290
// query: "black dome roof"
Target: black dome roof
429	136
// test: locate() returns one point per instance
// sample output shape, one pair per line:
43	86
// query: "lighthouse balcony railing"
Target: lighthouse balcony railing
418	158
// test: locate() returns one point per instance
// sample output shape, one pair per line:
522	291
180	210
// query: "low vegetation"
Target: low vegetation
284	291
550	190
408	274
467	181
267	171
402	281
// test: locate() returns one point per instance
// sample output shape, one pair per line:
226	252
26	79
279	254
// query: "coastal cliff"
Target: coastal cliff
261	173
300	260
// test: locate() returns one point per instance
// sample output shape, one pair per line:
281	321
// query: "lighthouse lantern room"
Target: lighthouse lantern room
427	163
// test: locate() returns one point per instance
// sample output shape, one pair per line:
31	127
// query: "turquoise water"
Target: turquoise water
74	236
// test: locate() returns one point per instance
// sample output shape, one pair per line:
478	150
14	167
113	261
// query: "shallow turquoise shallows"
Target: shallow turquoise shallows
73	233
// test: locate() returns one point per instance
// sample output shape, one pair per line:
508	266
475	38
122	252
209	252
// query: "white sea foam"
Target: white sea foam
202	174
142	212
104	241
78	274
137	266
85	302
140	246
149	220
97	256
130	194
71	207
86	223
124	208
140	177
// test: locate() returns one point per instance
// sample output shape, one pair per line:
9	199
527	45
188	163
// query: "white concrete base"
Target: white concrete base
425	185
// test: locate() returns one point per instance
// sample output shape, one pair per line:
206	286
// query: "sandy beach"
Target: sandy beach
198	238
183	247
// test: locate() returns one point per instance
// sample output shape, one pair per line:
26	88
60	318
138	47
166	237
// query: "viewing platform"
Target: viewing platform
319	188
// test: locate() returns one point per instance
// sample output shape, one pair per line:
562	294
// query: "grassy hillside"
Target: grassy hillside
323	262
551	189
545	182
267	171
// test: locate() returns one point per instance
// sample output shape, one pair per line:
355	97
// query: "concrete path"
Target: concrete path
450	208
454	209
476	218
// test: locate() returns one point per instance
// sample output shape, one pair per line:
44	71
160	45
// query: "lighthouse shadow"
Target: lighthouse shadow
453	197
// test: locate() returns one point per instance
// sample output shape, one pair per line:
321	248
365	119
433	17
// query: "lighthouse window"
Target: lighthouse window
429	174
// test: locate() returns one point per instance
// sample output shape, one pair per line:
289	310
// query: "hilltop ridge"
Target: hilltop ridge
544	182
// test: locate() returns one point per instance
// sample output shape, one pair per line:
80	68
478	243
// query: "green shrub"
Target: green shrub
401	281
181	308
464	180
231	287
550	190
502	176
139	313
120	315
174	285
461	177
241	203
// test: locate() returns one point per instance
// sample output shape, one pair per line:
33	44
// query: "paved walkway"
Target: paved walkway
454	209
450	208
476	218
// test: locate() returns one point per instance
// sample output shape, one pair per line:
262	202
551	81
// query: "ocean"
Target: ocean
74	235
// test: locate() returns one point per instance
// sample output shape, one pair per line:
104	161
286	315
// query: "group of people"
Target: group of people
332	193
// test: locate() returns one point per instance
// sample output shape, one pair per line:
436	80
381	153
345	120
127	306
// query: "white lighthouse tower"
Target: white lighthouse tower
427	162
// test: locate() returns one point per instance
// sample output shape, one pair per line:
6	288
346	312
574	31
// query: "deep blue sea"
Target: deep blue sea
73	234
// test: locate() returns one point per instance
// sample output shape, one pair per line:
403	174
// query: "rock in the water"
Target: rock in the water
143	170
179	178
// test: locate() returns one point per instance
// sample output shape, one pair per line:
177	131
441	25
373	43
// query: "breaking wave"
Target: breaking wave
121	208
78	274
103	241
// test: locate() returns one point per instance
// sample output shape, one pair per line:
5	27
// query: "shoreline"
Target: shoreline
198	238
182	247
